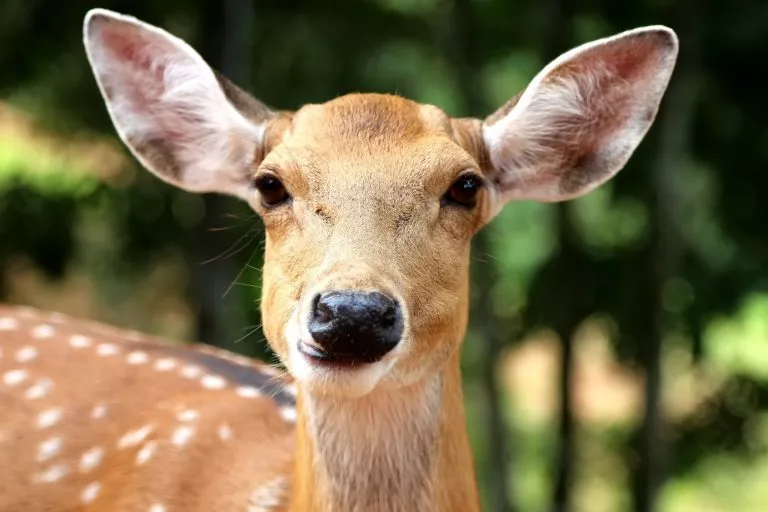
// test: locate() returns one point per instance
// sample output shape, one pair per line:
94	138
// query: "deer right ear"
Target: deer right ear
581	118
177	117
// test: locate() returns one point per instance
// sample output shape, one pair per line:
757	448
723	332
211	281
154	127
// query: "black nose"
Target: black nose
354	327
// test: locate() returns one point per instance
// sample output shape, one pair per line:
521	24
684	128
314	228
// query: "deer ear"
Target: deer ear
581	118
178	117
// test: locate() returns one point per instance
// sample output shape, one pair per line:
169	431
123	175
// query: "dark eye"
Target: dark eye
271	189
463	192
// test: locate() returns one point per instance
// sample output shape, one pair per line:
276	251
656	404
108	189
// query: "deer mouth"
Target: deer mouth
320	357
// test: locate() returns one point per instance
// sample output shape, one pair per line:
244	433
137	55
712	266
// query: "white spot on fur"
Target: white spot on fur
134	437
137	357
157	507
248	392
99	411
213	382
49	448
39	389
26	354
90	459
146	452
52	474
27	312
107	349
105	330
191	372
288	413
225	432
79	341
8	324
164	365
49	418
268	496
15	377
188	415
43	331
182	435
57	318
91	492
290	389
269	370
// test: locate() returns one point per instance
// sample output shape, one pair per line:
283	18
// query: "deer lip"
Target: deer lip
320	357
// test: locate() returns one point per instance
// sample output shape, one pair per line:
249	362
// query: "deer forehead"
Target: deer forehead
372	117
359	140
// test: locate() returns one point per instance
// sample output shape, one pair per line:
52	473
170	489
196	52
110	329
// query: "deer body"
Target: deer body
81	430
369	203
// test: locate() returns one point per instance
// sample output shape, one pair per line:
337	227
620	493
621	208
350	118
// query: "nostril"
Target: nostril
389	315
321	310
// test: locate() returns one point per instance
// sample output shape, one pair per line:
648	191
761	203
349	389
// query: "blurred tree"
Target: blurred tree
226	43
665	255
569	287
484	275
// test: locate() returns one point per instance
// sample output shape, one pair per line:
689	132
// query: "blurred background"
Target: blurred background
618	356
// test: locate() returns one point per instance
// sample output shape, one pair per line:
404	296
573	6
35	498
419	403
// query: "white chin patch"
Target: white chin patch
348	382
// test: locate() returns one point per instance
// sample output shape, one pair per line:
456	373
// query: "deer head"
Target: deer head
370	201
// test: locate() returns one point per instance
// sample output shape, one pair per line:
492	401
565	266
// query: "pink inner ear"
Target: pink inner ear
129	47
617	71
141	65
610	81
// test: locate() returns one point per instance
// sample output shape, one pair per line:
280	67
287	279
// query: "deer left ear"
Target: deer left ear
185	123
581	118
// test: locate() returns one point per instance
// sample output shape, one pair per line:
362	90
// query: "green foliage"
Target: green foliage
738	345
22	166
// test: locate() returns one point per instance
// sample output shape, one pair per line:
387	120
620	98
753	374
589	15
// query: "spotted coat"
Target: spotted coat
94	418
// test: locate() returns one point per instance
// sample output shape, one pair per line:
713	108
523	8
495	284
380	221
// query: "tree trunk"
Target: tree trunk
227	47
461	45
665	256
3	277
484	278
567	323
557	38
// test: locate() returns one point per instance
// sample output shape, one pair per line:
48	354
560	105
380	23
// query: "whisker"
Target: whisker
276	276
240	244
240	274
249	285
246	335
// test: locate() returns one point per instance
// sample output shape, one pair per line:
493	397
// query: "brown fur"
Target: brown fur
205	474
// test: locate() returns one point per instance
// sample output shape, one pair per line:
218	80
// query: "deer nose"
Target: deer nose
353	327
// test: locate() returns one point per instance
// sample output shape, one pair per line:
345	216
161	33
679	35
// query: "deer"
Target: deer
369	203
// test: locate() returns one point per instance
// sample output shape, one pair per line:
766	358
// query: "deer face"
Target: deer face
369	204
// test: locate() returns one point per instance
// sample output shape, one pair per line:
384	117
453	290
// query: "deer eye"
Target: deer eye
271	189
463	191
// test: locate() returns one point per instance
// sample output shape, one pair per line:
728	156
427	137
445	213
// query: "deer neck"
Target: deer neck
404	449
